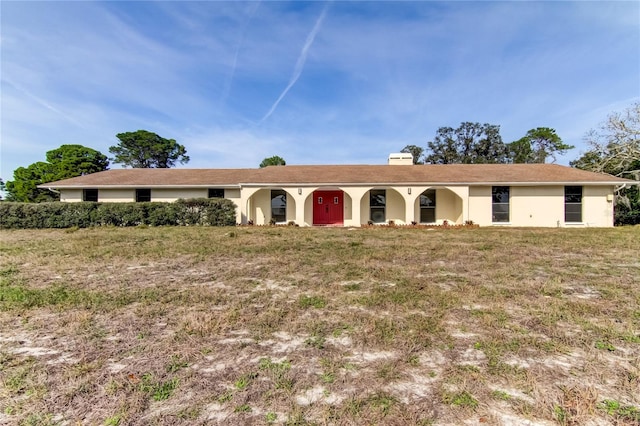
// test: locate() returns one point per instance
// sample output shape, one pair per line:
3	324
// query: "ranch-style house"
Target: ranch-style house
522	195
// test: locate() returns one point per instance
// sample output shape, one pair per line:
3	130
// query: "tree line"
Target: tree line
614	148
135	149
139	149
475	143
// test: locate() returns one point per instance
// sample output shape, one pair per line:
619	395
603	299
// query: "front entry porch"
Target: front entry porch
354	206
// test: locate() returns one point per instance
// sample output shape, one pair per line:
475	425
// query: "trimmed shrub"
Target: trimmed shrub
193	212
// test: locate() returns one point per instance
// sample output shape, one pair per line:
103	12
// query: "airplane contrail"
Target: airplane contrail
227	86
297	71
42	102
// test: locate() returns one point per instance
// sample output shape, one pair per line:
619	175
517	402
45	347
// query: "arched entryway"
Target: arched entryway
435	205
271	205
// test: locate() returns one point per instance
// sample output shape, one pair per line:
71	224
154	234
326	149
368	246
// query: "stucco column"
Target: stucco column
356	195
300	199
409	215
355	210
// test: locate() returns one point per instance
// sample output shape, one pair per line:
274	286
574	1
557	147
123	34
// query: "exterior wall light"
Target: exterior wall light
409	191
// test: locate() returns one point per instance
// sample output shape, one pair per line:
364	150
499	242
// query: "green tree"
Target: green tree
415	151
471	143
24	186
536	146
65	162
76	160
144	149
273	161
2	188
614	148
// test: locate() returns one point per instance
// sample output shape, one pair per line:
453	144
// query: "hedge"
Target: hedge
190	212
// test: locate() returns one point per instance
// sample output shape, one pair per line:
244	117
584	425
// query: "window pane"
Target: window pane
377	215
143	195
500	204
573	212
500	194
216	193
90	195
427	215
501	212
573	194
378	198
573	204
279	205
428	198
377	203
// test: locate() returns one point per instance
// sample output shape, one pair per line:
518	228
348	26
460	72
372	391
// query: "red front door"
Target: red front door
328	208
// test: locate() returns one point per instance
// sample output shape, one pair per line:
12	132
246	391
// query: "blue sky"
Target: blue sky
314	82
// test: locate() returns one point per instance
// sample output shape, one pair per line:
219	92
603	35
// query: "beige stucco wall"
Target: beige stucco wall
348	209
365	213
71	195
291	208
117	195
395	209
356	214
480	205
528	206
172	194
233	195
261	202
448	206
536	206
543	206
597	210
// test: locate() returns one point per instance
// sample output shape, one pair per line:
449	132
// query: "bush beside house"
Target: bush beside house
190	212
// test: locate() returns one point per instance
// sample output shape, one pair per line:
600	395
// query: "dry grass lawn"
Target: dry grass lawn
285	325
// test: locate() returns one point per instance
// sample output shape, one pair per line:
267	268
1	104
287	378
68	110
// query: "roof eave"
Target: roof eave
140	185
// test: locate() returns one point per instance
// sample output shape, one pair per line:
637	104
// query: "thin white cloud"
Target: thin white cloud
297	71
42	102
384	75
243	33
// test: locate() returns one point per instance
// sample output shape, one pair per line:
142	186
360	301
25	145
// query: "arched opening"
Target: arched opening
382	205
435	205
271	206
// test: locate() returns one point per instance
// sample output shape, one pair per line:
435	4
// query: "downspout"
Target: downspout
55	192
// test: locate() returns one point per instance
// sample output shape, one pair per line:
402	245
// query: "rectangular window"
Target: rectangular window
278	206
216	193
143	195
377	204
573	204
428	206
500	203
90	195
